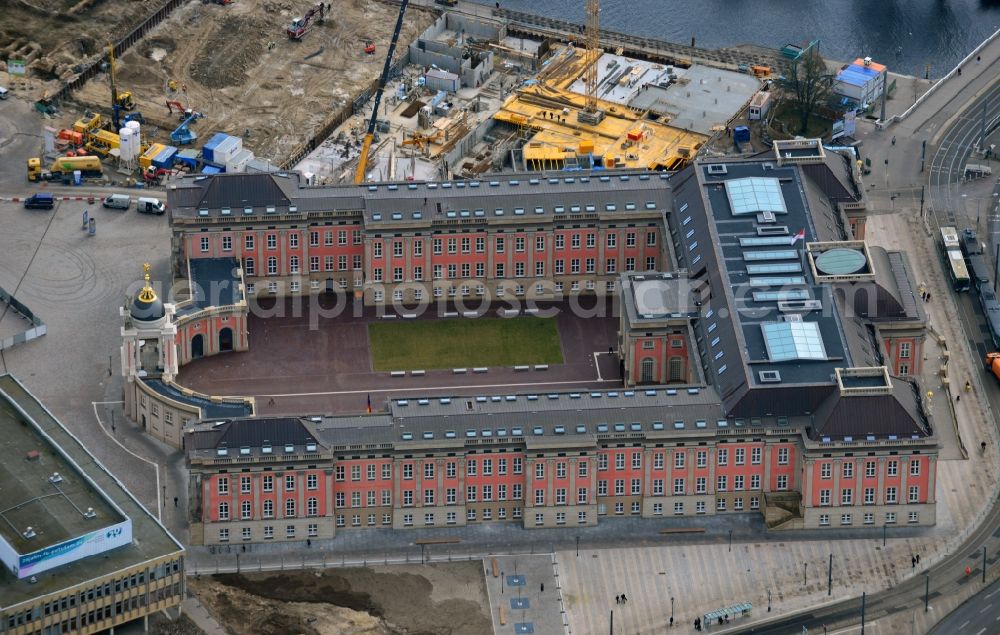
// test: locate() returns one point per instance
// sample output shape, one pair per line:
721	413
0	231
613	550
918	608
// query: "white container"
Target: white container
126	148
136	138
225	151
239	162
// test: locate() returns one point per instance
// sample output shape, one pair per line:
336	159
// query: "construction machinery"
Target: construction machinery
366	145
300	26
992	362
422	142
591	114
173	105
119	100
183	135
153	175
63	168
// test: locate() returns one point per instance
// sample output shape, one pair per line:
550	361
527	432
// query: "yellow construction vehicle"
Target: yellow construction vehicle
63	167
366	145
422	141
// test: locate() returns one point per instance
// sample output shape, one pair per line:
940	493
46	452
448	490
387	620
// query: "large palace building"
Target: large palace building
769	353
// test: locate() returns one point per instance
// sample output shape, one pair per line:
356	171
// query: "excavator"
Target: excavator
300	26
366	145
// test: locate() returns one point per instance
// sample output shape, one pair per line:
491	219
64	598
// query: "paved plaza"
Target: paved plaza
303	358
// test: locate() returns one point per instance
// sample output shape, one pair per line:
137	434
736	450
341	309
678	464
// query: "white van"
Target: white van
4	93
147	205
117	201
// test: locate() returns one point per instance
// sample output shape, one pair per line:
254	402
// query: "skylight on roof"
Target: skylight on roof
787	341
755	194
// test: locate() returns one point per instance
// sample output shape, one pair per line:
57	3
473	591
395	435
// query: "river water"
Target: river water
905	35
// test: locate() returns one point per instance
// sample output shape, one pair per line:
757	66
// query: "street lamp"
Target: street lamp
671	610
730	540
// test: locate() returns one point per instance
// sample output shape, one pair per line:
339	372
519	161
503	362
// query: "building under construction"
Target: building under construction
589	109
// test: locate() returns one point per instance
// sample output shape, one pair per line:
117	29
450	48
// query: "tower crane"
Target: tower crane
591	114
359	175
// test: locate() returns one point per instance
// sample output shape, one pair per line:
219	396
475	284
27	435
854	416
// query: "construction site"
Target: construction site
530	105
372	90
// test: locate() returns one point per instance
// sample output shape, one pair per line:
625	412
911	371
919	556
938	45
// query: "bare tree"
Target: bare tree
808	82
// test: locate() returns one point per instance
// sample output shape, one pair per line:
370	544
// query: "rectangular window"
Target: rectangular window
914	494
755	454
782	456
847	469
846	497
227	243
869	469
890	495
723	456
904	350
248	242
739	456
914	467
892	468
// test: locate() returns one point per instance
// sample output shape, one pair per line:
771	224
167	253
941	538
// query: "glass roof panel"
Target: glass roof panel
755	194
787	341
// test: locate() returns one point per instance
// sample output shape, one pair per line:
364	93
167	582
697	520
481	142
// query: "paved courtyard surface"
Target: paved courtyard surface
300	362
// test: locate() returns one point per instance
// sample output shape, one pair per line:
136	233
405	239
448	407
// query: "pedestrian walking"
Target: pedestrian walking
618	599
918	558
624	599
175	501
928	296
894	140
979	58
542	590
958	397
913	562
982	446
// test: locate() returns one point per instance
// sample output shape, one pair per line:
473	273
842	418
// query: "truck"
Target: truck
992	361
63	168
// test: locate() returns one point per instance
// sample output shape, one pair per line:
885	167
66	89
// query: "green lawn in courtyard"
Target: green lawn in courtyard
464	343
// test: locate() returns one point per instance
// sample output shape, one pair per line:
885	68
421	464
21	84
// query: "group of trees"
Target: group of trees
808	83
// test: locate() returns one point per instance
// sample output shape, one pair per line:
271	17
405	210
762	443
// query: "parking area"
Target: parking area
299	362
76	282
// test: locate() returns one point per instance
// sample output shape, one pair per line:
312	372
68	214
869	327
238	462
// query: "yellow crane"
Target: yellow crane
366	145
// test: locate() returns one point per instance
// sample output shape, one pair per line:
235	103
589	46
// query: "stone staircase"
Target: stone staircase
782	510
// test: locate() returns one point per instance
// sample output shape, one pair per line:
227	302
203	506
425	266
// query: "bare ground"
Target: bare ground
235	65
413	600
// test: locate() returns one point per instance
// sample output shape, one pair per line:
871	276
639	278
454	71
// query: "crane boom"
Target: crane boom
359	175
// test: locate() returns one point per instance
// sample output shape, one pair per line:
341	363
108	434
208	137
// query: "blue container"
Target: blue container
165	158
188	157
209	148
211	169
741	134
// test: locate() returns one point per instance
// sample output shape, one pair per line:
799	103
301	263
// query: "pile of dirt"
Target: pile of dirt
435	599
237	43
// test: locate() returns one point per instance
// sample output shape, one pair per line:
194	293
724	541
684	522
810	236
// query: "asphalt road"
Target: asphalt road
977	616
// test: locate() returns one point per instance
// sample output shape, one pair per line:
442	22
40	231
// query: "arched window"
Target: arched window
647	370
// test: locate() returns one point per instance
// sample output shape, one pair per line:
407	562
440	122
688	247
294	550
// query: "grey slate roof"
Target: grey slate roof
215	282
572	196
209	408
